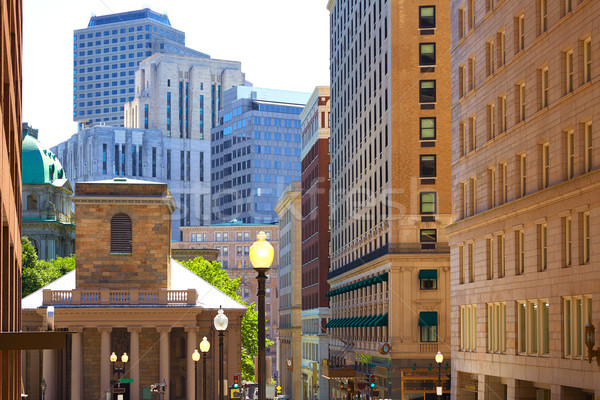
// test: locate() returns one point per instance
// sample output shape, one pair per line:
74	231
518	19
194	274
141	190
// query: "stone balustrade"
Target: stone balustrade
119	297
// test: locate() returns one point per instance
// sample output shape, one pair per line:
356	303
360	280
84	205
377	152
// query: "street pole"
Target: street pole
195	380
204	376
221	397
439	380
262	379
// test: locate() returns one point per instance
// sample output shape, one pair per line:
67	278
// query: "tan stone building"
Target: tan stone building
289	278
233	240
390	195
126	295
11	12
526	184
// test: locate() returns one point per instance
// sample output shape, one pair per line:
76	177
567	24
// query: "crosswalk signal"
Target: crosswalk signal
236	381
372	381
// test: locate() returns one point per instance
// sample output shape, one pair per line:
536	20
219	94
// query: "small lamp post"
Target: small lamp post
204	347
439	358
261	257
118	369
221	322
43	386
590	341
196	358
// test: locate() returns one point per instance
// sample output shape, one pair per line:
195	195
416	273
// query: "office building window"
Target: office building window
543	15
121	234
501	256
461	264
569	71
473	195
471	72
426	53
461	81
461	22
427	93
428	238
427	129
427	166
520	251
471	255
533	328
522	161
503	182
491	187
587	60
468	327
145	116
462	127
545	165
577	313
168	164
489	57
428	322
472	133
520	33
520	101
496	327
104	159
542	247
491	123
568	242
471	15
586	237
428	279
544	87
428	202
570	154
502	114
489	257
501	48
588	158
154	162
427	17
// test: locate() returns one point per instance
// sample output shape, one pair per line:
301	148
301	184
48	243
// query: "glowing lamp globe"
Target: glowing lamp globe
113	357
124	357
204	345
261	252
195	355
221	321
439	358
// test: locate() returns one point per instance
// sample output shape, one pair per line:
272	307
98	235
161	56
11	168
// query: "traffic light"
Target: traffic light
236	381
372	381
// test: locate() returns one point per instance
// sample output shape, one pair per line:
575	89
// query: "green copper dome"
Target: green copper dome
40	166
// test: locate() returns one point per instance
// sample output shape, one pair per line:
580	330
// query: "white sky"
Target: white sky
282	44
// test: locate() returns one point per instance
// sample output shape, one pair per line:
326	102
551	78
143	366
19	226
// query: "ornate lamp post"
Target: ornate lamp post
221	322
196	358
590	341
118	369
261	257
439	358
204	347
43	386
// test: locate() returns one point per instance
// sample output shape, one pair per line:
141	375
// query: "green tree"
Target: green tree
218	277
38	273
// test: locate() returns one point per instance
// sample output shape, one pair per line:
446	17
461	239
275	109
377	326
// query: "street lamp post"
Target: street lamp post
43	386
204	347
261	257
221	322
118	369
196	358
439	358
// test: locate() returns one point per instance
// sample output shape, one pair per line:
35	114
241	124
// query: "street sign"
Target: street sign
278	389
126	380
118	390
234	393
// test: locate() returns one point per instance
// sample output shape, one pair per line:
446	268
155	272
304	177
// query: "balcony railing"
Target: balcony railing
48	215
119	297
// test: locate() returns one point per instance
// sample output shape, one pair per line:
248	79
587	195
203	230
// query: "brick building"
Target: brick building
126	295
10	190
390	195
526	184
315	240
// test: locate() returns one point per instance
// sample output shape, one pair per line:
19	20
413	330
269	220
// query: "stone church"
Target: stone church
127	295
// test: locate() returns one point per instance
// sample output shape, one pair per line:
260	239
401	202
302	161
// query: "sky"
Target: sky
282	44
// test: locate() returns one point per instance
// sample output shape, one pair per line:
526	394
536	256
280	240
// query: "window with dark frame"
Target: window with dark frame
428	202
427	166
426	53
427	93
428	279
427	128
426	17
428	238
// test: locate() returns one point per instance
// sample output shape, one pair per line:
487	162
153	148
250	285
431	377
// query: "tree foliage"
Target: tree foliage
38	273
218	277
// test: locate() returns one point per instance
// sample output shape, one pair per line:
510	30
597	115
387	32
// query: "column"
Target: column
192	333
48	370
511	389
76	364
164	357
134	361
104	360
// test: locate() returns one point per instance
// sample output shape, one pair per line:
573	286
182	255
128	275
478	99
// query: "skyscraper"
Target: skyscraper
526	182
106	55
315	239
255	152
390	192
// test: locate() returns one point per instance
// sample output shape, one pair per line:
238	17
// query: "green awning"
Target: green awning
337	323
328	324
372	320
428	274
382	321
342	323
352	322
428	318
361	321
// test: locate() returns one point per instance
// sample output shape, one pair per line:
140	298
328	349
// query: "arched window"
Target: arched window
120	234
32	202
